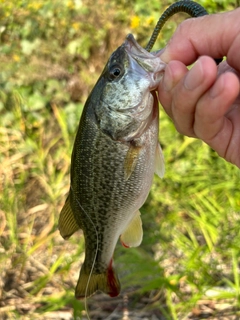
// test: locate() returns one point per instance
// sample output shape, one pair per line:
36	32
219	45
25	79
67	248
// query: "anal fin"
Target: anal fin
67	224
132	236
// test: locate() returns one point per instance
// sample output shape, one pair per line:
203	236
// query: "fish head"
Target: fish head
126	103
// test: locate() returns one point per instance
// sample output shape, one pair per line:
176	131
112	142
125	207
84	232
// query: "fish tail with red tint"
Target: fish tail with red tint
106	282
113	282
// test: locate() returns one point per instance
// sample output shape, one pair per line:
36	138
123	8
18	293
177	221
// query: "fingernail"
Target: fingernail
217	88
168	79
194	76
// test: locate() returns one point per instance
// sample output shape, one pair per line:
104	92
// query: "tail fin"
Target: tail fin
88	284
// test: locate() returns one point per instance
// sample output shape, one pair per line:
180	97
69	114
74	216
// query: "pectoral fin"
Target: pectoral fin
132	236
67	224
159	162
131	160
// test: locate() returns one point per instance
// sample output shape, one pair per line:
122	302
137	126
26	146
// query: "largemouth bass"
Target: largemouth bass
115	154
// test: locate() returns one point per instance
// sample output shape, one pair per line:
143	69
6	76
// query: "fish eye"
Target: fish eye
115	72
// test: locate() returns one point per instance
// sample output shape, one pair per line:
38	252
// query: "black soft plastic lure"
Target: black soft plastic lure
194	9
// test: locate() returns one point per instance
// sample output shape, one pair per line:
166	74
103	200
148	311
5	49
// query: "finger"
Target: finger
188	91
224	67
212	123
232	152
174	72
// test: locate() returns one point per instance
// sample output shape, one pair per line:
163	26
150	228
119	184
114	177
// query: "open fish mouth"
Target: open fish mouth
150	62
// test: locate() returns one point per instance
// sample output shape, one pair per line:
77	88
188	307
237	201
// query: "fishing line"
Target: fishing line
95	255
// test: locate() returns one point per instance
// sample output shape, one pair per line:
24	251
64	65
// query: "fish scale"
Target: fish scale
113	163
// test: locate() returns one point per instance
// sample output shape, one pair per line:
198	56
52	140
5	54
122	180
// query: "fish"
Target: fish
115	154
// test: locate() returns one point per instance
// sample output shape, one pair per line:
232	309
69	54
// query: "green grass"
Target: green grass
191	247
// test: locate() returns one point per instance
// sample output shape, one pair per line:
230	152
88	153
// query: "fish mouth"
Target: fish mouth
150	62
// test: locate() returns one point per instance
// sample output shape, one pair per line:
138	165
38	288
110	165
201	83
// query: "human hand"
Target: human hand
204	102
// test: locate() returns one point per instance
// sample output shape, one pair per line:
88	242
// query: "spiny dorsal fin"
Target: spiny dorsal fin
132	236
159	162
67	224
131	160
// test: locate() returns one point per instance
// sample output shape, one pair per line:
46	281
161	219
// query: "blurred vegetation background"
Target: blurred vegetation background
51	54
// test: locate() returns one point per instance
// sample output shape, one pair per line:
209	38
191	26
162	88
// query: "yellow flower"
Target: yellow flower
135	22
75	26
16	57
173	282
150	20
70	4
35	5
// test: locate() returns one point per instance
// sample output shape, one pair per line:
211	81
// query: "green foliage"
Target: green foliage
52	53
